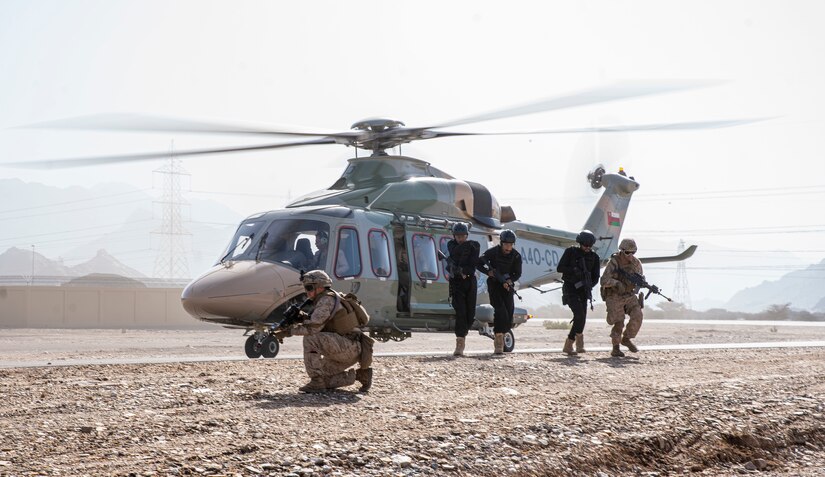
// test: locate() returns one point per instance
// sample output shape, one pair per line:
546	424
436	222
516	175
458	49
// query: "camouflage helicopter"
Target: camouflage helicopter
378	228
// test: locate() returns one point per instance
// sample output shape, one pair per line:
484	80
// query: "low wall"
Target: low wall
93	307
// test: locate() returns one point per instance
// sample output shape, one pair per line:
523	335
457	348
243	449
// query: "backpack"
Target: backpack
351	303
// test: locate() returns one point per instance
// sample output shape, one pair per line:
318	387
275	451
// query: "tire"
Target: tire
270	347
509	342
252	348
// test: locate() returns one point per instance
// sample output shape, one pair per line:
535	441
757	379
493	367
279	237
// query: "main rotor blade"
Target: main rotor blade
608	129
624	90
93	161
140	122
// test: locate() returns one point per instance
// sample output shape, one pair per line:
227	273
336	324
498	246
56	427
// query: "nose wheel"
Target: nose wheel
254	348
260	344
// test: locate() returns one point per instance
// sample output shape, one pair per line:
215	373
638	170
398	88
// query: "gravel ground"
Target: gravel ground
697	412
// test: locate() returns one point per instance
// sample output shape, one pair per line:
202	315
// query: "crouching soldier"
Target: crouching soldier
332	340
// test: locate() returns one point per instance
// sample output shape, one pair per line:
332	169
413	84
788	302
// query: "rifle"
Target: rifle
502	278
292	315
585	281
453	269
640	282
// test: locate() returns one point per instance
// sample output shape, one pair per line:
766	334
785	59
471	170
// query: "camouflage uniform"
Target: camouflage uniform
618	293
332	342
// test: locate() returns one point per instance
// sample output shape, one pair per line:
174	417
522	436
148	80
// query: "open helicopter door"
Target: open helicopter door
422	290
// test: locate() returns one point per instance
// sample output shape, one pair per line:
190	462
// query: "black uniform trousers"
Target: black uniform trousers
502	301
464	293
577	302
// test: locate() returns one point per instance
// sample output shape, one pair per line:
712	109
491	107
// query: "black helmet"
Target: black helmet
586	238
507	236
460	228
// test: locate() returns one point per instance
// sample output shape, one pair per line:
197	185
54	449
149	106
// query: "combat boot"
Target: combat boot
364	376
580	343
498	344
341	380
616	353
568	347
315	385
459	346
630	346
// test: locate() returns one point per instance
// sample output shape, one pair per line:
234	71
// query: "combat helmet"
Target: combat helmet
460	228
507	236
586	238
628	245
318	278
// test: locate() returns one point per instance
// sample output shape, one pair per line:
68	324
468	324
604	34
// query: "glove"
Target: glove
281	334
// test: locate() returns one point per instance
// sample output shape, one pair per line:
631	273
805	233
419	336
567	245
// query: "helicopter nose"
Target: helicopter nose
245	291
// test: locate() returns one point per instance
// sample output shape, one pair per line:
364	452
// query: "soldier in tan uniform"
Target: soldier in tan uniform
332	340
620	297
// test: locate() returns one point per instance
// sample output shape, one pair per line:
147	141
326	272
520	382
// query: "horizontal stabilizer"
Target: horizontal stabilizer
671	258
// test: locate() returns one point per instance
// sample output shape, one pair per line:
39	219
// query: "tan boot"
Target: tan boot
568	347
315	385
459	346
630	346
498	344
616	353
364	376
580	343
340	380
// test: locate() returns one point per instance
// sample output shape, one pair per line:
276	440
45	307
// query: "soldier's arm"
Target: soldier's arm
607	280
565	265
482	262
320	315
515	273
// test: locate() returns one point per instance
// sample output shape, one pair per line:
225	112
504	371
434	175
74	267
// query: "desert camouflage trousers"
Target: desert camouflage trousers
617	307
328	355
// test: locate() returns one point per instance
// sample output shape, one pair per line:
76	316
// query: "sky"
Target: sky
751	192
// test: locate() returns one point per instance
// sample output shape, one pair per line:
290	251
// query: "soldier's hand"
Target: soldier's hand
281	334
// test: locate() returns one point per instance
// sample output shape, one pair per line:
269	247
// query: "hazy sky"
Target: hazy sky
757	188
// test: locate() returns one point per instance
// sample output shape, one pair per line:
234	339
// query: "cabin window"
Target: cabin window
426	264
379	253
241	245
442	245
348	254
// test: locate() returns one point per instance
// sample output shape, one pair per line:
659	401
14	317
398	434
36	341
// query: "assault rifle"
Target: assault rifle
453	269
503	278
640	282
585	281
292	315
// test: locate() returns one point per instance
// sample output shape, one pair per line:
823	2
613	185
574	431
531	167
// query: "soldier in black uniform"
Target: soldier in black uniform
502	265
461	267
579	268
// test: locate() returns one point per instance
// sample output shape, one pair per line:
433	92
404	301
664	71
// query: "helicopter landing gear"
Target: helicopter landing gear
254	348
389	334
509	337
270	347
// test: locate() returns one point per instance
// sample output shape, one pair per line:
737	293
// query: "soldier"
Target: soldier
579	266
463	285
332	340
502	265
321	243
619	296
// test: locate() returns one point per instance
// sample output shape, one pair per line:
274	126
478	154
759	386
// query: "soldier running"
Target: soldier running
502	265
579	266
619	296
463	285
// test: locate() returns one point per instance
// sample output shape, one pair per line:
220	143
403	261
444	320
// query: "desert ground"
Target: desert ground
150	402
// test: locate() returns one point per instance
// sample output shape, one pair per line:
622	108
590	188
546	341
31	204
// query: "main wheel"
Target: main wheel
509	341
253	348
270	347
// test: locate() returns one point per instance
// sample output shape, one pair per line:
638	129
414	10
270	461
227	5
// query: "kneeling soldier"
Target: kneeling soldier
332	340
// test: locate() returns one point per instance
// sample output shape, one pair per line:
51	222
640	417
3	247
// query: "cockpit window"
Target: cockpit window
242	241
300	244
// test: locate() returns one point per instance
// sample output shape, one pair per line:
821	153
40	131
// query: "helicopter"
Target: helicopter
377	230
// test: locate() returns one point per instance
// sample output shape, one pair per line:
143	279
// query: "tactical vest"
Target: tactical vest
343	321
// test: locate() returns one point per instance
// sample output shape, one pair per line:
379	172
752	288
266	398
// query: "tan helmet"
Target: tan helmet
319	278
628	244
